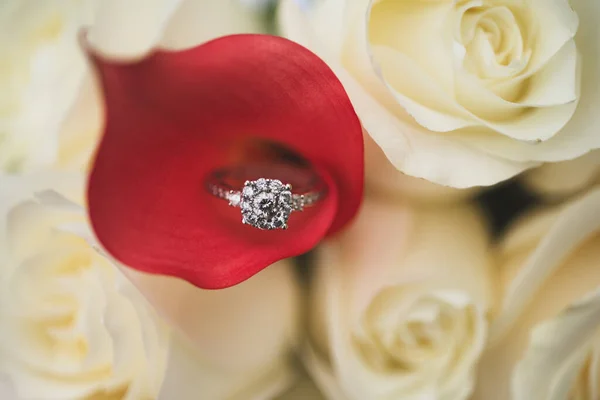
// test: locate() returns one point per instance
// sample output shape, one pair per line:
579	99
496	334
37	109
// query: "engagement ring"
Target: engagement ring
266	203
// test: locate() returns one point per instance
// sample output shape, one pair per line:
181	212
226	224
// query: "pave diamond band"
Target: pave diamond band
265	203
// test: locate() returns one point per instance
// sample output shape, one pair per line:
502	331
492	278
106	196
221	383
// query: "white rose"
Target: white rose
41	72
50	108
545	341
234	343
72	326
565	178
462	92
399	303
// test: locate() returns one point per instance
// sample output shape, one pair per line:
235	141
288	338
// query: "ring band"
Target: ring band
266	203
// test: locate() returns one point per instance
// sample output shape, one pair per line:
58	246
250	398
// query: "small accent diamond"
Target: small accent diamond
234	199
248	191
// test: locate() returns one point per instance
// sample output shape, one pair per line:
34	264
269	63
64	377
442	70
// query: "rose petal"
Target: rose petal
557	23
130	29
564	178
370	62
211	358
537	124
265	308
322	374
197	21
557	82
325	21
578	276
576	223
188	377
430	43
7	392
175	117
415	151
556	352
42	68
446	115
580	134
81	128
421	154
304	388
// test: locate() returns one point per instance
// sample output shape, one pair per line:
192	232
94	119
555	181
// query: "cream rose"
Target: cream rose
399	305
50	112
41	72
462	92
545	341
72	326
228	344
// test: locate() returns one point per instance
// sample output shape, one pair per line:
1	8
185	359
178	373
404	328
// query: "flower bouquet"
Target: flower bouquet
299	199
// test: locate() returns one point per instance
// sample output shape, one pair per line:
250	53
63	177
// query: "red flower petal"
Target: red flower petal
174	117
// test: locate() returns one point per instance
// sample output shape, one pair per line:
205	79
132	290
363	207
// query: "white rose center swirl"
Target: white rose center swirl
498	45
490	66
433	337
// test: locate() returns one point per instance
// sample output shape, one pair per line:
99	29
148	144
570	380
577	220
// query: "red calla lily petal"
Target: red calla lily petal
174	117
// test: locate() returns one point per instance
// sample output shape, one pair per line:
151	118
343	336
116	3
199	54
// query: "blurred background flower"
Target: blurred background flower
399	304
234	343
545	339
72	325
41	74
555	182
